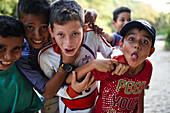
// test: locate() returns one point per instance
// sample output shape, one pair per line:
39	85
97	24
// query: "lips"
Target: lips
69	51
134	57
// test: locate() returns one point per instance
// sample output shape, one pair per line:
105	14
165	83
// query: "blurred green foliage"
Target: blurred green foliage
140	10
167	40
8	7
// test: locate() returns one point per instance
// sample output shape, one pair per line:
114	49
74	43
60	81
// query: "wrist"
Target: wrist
60	70
67	67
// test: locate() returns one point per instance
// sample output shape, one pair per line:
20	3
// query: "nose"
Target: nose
8	56
137	45
37	33
68	40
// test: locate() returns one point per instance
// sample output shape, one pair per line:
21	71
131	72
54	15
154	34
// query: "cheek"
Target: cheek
78	41
46	36
28	35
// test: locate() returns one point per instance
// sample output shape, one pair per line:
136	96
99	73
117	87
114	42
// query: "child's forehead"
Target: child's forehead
11	40
35	16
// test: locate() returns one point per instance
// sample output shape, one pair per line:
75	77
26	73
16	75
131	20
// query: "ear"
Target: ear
151	51
51	35
85	28
113	23
121	45
50	31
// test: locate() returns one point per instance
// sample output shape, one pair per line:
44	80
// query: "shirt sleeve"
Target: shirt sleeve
104	47
35	76
48	62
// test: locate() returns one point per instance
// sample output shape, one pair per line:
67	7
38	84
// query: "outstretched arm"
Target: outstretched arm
103	65
107	36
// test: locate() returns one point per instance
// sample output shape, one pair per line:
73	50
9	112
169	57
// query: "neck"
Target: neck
133	71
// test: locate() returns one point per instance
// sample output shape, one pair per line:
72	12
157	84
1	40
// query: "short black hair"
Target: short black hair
119	10
63	11
10	26
33	7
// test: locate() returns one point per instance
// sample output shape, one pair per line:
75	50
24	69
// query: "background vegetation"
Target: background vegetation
140	10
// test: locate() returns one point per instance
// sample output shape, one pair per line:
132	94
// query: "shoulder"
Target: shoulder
89	34
148	64
48	54
48	51
45	50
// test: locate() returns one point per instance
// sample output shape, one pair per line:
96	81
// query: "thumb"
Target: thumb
73	81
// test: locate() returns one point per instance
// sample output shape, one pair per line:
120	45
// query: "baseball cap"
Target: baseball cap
139	24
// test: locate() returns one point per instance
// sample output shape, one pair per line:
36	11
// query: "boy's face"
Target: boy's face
10	51
137	46
36	29
122	19
68	37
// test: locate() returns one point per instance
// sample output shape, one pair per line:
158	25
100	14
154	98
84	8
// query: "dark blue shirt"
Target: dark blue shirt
116	38
28	64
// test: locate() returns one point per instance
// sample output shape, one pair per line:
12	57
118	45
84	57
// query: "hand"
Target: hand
97	29
104	65
120	69
85	84
90	16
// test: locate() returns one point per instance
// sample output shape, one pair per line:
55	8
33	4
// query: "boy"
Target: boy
121	16
17	94
74	46
124	93
34	14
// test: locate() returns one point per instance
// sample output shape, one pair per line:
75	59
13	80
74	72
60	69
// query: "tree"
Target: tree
8	7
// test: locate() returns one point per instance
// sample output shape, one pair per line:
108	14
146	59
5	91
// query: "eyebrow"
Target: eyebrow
147	37
131	34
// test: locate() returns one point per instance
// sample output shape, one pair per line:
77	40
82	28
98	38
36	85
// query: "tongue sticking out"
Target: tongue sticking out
134	57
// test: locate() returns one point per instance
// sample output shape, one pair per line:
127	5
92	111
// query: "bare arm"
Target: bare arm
107	37
141	103
103	65
54	84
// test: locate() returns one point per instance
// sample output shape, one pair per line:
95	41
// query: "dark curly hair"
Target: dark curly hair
33	7
10	26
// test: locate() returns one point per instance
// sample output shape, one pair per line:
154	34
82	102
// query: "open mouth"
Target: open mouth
134	57
5	63
69	51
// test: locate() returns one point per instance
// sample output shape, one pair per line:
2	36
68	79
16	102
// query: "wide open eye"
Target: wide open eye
60	34
131	39
145	41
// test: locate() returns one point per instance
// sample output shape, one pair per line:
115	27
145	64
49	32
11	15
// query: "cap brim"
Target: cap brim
131	25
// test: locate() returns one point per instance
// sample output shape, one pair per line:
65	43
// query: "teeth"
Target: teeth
37	41
6	63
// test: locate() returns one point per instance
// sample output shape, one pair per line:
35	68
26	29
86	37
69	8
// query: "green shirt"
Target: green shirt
16	93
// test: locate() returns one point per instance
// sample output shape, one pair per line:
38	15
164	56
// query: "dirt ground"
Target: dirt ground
157	97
